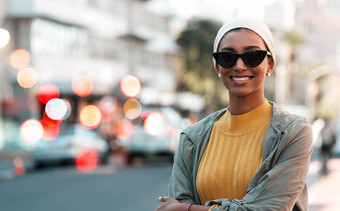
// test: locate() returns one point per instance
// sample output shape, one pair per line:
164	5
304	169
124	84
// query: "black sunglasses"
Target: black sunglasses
251	58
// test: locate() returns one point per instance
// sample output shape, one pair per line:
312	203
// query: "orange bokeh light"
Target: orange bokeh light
130	86
132	108
48	92
27	77
82	86
87	160
31	131
20	58
90	116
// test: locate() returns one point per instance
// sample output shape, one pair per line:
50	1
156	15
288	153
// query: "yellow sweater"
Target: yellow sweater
233	154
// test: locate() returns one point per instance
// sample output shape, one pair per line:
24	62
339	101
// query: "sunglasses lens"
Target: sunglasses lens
253	58
225	59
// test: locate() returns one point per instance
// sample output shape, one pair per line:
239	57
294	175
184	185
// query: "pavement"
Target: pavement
324	194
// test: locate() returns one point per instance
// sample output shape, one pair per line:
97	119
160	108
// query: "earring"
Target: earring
219	75
268	74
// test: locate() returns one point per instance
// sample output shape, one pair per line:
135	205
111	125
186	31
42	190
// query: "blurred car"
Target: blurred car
72	142
154	139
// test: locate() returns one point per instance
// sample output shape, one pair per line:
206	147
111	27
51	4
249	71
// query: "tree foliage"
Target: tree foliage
197	41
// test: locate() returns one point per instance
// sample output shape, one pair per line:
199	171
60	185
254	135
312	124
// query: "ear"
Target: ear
217	69
271	65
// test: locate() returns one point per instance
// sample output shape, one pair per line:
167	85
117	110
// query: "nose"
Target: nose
240	64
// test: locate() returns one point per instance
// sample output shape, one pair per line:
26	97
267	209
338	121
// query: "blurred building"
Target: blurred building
101	39
319	20
317	56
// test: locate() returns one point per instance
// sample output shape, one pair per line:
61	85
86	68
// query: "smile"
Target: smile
241	78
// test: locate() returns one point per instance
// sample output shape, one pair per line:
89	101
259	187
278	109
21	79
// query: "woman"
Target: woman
252	155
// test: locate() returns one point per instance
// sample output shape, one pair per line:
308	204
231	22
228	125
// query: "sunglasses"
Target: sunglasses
228	59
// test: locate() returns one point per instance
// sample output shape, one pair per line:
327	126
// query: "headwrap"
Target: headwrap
257	26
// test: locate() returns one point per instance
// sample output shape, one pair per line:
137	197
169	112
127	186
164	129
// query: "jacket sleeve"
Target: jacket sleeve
281	184
180	186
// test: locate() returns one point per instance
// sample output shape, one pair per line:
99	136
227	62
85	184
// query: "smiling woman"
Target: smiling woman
251	155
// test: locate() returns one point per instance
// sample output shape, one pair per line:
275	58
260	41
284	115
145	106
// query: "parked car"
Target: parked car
145	144
72	142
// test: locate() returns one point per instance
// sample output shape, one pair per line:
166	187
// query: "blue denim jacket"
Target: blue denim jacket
278	184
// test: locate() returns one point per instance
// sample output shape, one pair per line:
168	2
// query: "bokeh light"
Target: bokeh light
107	106
4	37
87	160
20	58
68	109
48	92
90	116
56	109
123	129
51	122
31	131
132	108
27	77
82	86
50	132
130	86
154	123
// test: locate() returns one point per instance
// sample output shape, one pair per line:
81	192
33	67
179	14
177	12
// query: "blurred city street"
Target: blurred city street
93	92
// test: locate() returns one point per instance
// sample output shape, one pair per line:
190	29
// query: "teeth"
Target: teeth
241	78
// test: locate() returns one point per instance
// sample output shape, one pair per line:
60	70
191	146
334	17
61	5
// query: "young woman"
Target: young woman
252	155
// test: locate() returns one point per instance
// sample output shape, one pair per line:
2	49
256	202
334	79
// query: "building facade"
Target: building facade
103	40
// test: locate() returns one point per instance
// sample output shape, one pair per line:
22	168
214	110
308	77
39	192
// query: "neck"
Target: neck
242	105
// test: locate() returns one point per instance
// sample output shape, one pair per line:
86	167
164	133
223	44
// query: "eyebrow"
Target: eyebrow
246	48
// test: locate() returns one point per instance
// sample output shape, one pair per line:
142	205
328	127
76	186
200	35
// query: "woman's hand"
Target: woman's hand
169	204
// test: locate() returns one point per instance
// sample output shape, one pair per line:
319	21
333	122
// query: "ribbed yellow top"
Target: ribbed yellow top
233	154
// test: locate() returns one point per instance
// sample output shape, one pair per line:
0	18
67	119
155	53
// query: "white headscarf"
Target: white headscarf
245	22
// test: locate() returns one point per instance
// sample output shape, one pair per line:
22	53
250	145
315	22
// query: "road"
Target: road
106	188
120	188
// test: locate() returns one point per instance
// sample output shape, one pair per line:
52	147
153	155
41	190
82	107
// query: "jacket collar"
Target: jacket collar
280	120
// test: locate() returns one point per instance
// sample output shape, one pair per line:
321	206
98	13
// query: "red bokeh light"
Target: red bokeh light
48	92
87	160
50	133
49	122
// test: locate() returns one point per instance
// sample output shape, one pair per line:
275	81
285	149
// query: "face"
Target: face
241	80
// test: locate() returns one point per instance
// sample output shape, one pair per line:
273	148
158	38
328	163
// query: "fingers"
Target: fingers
162	198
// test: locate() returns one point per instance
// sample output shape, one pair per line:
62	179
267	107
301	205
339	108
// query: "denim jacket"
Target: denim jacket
278	184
